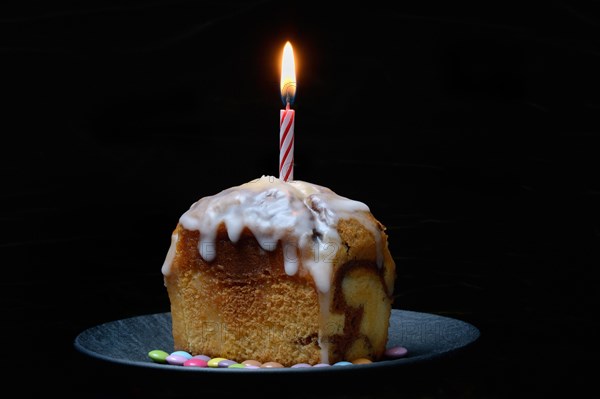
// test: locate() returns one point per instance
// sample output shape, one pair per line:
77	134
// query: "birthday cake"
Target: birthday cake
280	271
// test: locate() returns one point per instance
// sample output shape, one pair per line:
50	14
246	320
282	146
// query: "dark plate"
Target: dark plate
128	341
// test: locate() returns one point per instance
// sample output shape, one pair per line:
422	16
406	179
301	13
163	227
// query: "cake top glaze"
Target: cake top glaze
301	215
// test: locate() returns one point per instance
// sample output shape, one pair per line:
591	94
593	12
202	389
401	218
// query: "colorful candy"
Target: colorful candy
362	360
272	365
226	363
183	358
182	353
396	352
214	362
251	362
301	365
175	359
195	362
158	356
342	363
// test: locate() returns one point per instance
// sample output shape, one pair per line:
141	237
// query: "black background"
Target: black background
470	130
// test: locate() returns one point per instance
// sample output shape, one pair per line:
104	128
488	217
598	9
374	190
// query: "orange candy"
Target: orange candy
362	360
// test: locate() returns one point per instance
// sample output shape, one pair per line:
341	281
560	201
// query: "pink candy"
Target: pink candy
396	352
195	362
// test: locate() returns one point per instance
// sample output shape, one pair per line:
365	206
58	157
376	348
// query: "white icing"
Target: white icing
301	215
324	303
166	267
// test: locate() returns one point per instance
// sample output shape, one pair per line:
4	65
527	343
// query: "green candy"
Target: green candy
158	356
236	366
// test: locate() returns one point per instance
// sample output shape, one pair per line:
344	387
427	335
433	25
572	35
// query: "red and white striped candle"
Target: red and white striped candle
287	116
286	143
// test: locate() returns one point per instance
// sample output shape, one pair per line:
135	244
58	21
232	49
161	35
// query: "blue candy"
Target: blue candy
342	363
182	353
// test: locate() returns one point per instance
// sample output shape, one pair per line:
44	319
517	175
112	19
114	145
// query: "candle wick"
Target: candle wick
287	105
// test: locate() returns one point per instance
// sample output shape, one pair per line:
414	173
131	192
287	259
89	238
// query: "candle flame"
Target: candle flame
288	75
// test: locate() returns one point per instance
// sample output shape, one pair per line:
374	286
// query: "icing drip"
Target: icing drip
324	303
166	267
301	215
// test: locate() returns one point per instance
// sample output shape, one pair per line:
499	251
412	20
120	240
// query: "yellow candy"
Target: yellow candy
214	362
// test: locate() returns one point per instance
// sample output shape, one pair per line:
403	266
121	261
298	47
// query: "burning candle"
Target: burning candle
287	115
